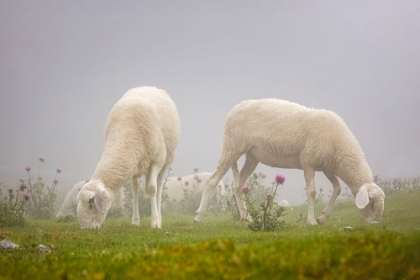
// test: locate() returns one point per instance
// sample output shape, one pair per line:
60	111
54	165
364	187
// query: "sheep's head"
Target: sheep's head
370	201
93	203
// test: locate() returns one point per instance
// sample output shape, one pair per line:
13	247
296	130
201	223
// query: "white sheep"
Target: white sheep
141	136
70	202
282	134
175	189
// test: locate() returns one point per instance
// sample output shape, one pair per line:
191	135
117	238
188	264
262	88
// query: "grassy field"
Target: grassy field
219	248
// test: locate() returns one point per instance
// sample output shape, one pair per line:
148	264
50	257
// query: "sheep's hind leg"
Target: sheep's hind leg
246	171
159	195
135	190
222	168
336	192
309	174
151	189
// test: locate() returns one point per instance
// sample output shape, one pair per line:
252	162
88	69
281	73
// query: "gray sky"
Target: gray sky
65	63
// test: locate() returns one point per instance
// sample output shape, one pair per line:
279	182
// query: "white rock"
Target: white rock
44	248
348	228
7	244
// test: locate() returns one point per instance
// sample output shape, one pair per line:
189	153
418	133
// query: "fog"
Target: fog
64	65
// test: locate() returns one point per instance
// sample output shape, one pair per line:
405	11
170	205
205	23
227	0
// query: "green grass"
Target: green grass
219	248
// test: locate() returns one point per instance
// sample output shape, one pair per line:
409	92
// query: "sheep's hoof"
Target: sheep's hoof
247	219
312	222
321	220
156	226
135	222
197	219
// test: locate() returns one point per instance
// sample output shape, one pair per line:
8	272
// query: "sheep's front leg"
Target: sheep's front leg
135	190
151	189
309	174
336	192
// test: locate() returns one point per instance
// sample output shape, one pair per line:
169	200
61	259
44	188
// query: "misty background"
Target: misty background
63	64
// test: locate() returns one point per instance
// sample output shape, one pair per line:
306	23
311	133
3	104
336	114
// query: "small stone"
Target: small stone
7	244
348	228
44	248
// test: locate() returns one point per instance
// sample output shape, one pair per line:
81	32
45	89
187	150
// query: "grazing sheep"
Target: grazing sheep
175	189
282	134
141	136
70	202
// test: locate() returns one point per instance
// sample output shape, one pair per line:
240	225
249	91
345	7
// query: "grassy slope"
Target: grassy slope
219	248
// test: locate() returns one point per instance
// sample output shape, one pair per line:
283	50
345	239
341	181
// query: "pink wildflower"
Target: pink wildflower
246	189
179	178
22	187
26	197
195	170
263	176
376	178
58	170
28	168
321	189
280	179
41	159
39	178
186	183
55	181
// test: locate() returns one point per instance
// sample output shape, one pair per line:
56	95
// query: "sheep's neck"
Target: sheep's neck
354	173
112	171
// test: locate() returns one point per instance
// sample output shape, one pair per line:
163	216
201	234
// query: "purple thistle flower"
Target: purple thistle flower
58	170
22	187
87	180
186	183
195	170
179	178
246	189
321	189
263	176
226	186
41	159
55	181
39	178
28	168
26	196
280	179
376	179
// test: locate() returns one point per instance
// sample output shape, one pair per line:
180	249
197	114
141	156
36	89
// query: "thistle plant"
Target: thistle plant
13	206
256	190
43	197
398	185
265	216
192	195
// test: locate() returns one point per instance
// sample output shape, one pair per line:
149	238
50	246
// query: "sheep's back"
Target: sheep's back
285	128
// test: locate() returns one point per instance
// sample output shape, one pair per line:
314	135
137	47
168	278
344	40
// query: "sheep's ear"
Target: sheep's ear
362	197
102	200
